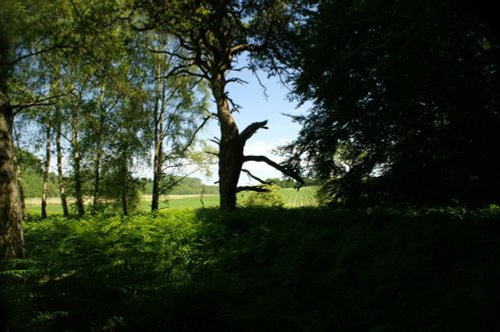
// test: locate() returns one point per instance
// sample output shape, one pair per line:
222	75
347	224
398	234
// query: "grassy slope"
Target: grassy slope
301	269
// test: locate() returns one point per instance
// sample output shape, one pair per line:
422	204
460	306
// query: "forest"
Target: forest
387	214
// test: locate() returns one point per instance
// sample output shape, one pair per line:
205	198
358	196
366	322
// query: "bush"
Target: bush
272	198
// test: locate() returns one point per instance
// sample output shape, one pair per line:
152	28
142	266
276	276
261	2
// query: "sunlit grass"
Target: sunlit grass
300	198
305	197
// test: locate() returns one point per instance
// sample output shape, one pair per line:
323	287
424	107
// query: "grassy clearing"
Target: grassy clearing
305	197
304	269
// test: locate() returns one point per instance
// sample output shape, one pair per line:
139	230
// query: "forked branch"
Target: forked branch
255	177
258	189
286	171
251	130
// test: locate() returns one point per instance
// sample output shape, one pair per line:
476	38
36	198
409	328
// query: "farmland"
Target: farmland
300	198
305	197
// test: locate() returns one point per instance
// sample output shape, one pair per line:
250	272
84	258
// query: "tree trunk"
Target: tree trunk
124	199
11	230
230	163
46	171
22	197
56	88
60	174
158	140
97	178
155	197
76	164
99	152
230	147
125	184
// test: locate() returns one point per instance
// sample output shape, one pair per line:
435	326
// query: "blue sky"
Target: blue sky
255	106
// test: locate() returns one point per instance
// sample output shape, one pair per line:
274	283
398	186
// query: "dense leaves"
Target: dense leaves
258	269
406	101
271	198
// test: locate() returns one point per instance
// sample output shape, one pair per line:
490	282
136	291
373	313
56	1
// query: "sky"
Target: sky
256	106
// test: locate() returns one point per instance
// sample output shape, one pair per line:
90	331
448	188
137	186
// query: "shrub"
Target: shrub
272	198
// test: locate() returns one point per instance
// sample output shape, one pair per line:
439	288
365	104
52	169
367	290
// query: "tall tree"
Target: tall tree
179	109
128	145
212	35
11	231
58	127
75	151
406	101
46	167
59	158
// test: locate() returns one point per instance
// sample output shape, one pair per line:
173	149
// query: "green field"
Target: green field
293	198
300	198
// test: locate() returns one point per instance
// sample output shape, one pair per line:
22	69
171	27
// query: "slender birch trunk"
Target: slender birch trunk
125	205
97	178
46	171
76	162
59	157
99	153
22	196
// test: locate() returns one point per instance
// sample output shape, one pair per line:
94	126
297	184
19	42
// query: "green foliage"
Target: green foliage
31	175
186	186
103	267
259	269
293	198
33	183
272	198
405	101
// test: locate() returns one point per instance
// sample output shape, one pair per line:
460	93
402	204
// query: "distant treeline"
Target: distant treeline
183	186
31	174
32	180
290	183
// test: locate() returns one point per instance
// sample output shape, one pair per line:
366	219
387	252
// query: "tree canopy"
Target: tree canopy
211	36
406	101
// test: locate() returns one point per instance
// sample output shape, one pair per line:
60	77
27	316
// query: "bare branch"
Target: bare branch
172	54
264	88
236	80
251	130
40	102
255	177
35	53
173	183
195	133
185	69
215	140
240	48
286	171
212	153
259	189
235	107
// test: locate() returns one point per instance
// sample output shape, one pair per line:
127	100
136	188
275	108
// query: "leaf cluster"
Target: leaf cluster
273	197
405	101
